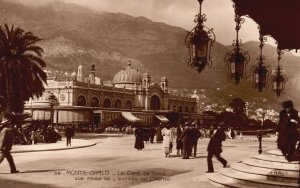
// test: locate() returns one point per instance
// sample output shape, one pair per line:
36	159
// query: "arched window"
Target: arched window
81	101
180	109
174	108
118	104
128	105
95	102
106	103
186	109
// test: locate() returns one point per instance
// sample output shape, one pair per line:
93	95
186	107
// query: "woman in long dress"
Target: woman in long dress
139	138
179	144
167	141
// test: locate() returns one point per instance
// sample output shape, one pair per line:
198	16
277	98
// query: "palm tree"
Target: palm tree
21	68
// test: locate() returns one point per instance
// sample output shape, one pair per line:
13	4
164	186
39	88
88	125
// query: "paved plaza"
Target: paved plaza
111	161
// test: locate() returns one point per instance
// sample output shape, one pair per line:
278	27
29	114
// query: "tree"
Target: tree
21	68
238	106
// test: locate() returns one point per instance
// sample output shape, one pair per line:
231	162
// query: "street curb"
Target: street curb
54	149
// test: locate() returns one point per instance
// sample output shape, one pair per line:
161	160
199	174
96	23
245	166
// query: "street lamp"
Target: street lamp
278	78
199	42
237	58
53	101
260	133
260	71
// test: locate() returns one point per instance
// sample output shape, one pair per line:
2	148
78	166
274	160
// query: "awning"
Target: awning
71	116
130	117
162	118
41	115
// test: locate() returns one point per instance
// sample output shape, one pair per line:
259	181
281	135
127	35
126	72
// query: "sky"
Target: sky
181	13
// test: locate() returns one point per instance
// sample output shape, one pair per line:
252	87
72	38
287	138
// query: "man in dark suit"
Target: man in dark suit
186	137
195	136
69	133
287	129
215	148
6	142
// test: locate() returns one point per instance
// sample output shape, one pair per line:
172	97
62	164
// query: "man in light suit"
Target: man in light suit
6	142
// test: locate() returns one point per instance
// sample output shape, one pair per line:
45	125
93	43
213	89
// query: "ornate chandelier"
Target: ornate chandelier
237	58
199	42
278	78
260	71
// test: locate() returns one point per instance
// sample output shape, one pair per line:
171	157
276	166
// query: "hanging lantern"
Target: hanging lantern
260	71
237	58
199	42
278	78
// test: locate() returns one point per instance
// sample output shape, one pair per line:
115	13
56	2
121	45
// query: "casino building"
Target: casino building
130	97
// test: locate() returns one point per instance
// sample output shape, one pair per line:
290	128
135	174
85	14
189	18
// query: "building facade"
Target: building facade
130	91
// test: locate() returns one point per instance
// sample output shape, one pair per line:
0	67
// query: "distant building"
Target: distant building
130	91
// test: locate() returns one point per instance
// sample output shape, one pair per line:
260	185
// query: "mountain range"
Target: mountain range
74	35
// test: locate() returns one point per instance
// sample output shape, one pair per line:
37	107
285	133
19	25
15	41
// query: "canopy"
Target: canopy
278	18
162	118
71	116
130	117
41	115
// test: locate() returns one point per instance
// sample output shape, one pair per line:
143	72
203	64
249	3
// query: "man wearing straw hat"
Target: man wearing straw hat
6	142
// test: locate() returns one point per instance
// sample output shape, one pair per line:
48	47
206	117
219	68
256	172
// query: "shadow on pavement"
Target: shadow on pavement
90	136
22	184
36	171
39	171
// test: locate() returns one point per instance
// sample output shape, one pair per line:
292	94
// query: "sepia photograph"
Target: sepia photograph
149	93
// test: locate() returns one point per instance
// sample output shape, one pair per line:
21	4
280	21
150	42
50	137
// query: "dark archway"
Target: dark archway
118	104
81	101
180	109
128	105
106	103
155	103
174	108
95	102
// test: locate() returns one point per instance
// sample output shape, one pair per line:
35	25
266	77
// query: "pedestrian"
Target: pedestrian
69	133
146	135
196	134
179	144
159	137
6	142
33	137
215	149
152	134
139	138
186	137
287	130
167	140
232	133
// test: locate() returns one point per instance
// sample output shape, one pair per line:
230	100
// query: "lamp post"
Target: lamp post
260	133
199	42
237	58
53	101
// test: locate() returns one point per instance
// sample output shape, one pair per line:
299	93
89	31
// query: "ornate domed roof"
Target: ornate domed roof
128	75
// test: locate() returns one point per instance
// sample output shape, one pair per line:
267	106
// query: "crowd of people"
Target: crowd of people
186	137
30	135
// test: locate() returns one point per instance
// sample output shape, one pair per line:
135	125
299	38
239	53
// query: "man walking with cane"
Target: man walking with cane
6	142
